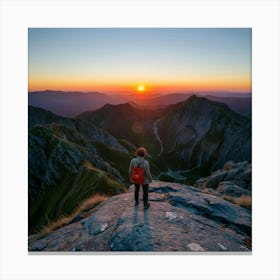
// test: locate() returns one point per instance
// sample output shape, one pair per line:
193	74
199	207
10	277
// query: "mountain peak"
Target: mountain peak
193	97
201	102
123	107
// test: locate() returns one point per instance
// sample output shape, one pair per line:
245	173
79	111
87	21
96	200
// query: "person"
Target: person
144	164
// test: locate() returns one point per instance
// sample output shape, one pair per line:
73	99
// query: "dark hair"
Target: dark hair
141	152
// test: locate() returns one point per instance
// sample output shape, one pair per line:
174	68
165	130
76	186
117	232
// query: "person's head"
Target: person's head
141	152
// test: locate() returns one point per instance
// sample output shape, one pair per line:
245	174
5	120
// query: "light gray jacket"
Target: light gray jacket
143	164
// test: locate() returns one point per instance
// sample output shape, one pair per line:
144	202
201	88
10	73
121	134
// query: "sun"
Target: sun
141	88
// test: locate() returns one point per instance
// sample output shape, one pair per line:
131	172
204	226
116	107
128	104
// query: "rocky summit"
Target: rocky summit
180	218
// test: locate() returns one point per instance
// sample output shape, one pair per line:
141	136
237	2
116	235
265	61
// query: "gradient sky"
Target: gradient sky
118	59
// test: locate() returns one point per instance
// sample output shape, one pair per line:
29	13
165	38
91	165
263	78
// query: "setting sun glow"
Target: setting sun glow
94	60
140	88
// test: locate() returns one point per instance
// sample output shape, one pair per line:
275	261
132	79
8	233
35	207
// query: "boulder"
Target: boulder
231	175
215	178
245	175
200	183
212	181
230	188
228	166
238	174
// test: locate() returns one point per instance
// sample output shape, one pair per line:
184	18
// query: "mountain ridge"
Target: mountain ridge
58	149
71	104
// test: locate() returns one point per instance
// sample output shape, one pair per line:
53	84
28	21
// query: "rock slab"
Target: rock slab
180	218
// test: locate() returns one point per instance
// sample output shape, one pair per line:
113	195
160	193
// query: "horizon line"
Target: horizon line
124	92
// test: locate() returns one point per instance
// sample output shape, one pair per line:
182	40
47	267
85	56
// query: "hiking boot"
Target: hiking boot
147	205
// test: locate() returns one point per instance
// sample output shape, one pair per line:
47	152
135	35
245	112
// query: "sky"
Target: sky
150	60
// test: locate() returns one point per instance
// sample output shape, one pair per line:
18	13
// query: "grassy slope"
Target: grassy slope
41	211
88	182
115	158
76	188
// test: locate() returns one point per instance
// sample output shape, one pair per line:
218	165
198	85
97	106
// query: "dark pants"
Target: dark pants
145	193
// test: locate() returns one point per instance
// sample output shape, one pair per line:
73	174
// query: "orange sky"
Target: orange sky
118	59
237	85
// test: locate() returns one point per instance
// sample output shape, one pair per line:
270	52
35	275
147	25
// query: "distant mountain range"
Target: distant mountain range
70	159
71	104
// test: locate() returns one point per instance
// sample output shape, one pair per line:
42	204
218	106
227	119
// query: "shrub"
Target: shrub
243	201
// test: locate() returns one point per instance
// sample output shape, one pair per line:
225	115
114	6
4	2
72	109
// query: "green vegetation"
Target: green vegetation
86	207
116	158
68	194
42	210
88	182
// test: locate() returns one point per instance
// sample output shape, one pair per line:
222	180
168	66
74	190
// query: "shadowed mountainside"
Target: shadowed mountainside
204	133
126	122
65	166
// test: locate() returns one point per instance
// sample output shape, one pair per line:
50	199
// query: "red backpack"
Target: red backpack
137	175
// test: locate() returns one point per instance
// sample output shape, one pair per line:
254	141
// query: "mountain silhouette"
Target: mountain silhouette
70	104
73	103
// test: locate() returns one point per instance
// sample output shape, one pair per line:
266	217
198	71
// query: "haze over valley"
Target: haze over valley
71	104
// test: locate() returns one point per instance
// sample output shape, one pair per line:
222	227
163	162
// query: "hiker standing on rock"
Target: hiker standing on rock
139	173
